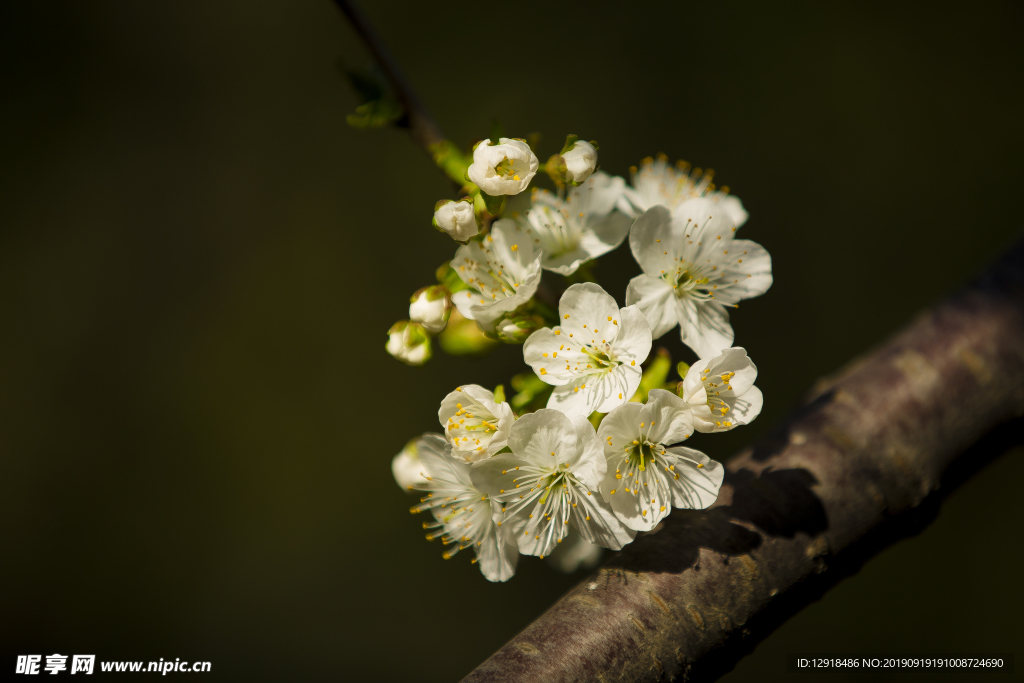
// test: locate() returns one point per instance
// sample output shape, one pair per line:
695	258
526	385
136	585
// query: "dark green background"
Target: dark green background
199	261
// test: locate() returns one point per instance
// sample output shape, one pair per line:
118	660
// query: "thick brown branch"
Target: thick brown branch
421	126
832	485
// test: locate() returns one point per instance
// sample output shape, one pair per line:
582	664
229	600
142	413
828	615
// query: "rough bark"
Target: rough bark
839	479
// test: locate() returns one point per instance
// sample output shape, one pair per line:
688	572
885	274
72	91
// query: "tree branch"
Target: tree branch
422	128
841	478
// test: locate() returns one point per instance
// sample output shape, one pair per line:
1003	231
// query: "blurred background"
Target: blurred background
199	261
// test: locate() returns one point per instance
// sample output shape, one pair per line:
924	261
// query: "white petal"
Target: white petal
540	351
605	234
602	528
619	428
491	475
653	241
746	273
587	312
599	195
704	326
545	438
590	464
627	506
668	418
633	342
656	300
694	487
573	400
746	407
734	207
615	388
498	554
735	362
408	471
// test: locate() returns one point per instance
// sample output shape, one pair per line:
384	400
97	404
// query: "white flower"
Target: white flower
580	161
475	425
693	269
504	168
644	478
658	183
582	227
593	359
721	391
406	467
430	307
502	271
409	343
550	481
465	517
456	218
574	553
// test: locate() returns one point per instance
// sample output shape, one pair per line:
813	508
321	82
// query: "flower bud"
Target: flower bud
409	342
430	307
579	159
407	468
514	328
456	218
504	168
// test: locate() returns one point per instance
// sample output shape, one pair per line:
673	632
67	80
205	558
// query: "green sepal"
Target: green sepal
682	368
499	394
494	205
570	142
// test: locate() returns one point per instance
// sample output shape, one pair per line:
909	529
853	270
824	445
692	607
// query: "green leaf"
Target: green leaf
375	114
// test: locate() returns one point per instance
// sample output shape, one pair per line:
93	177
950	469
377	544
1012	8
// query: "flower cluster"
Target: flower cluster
588	452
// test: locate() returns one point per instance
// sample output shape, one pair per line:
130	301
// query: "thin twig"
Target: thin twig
422	128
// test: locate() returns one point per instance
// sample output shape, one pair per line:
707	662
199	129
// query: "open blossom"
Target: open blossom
409	343
656	182
694	268
476	426
502	271
645	477
503	168
593	358
580	161
456	218
549	481
464	516
582	227
721	391
430	307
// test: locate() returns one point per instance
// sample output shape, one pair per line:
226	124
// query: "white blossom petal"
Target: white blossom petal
656	300
704	326
720	391
476	426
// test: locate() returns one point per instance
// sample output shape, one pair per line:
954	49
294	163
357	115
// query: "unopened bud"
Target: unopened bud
579	160
456	218
430	307
515	328
407	468
409	342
